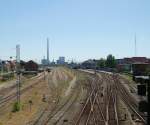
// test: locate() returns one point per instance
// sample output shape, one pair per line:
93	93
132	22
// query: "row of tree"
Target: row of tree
109	62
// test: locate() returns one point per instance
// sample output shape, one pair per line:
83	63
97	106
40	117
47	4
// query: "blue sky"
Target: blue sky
77	29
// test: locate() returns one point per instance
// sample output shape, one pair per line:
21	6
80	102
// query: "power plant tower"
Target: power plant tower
48	51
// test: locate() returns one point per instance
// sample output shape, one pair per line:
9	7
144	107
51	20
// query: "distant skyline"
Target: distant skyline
77	29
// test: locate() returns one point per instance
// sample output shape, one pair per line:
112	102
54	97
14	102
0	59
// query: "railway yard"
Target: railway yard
72	97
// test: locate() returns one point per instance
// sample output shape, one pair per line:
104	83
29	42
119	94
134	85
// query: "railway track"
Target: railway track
126	97
92	112
64	110
56	114
112	115
6	99
100	107
129	100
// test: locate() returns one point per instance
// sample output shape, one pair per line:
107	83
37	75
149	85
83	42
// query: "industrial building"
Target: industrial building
61	60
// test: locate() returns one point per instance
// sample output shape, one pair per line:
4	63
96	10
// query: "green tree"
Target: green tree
111	62
101	63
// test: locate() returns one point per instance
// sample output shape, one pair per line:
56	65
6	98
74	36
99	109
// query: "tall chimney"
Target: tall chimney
48	51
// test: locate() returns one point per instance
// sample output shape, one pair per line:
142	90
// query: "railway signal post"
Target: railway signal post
48	70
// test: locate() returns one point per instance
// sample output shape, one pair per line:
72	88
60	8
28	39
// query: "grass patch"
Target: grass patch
16	107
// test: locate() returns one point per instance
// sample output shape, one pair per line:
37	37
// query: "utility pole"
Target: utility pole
18	71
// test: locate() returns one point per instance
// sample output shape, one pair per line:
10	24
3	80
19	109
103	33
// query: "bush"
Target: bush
16	107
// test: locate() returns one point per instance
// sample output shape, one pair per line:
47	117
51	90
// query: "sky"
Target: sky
77	29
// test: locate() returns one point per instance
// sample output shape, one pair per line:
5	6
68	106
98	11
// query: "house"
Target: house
11	65
6	66
31	66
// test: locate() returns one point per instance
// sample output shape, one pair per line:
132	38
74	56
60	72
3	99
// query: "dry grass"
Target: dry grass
25	115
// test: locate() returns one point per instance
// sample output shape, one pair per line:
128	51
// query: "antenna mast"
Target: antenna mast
135	46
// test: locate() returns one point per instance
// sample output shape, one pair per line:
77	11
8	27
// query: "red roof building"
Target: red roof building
136	60
126	63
